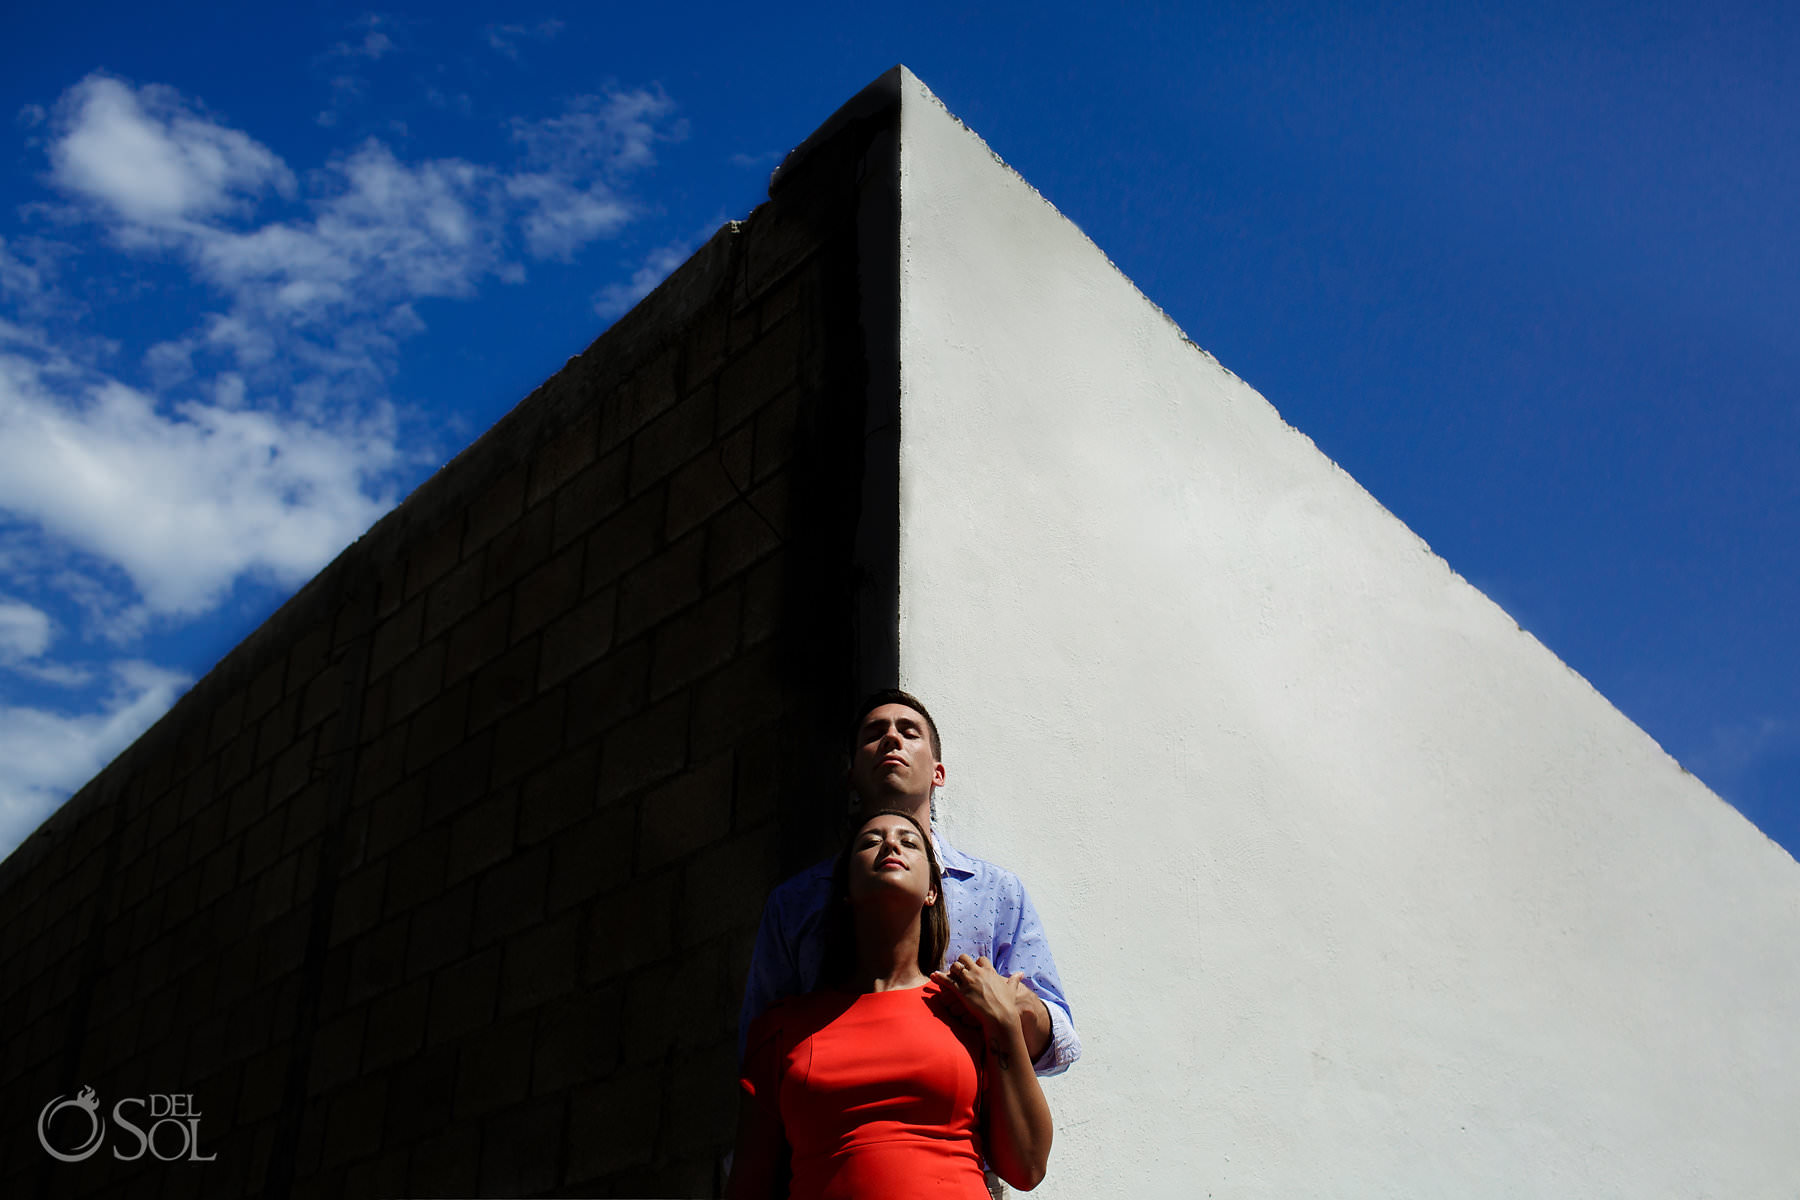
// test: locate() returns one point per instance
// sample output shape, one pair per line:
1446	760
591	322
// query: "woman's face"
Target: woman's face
888	858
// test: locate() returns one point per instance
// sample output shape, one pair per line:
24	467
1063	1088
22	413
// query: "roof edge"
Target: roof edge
874	100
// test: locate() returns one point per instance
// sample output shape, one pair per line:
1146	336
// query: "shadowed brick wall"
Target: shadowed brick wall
443	882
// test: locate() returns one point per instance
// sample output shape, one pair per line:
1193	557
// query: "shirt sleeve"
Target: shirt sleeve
773	970
1021	945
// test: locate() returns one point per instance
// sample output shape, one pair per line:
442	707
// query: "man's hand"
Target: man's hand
989	995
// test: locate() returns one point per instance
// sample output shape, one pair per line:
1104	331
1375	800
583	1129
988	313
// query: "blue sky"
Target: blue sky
1530	274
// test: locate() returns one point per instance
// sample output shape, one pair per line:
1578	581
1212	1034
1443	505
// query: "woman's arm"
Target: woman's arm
1017	1116
1034	1017
757	1162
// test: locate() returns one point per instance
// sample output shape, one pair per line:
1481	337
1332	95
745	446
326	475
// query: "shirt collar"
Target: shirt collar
951	861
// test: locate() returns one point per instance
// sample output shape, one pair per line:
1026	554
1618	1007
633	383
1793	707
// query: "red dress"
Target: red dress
877	1093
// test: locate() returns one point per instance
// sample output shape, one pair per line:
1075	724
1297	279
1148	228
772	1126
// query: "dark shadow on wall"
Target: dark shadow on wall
444	880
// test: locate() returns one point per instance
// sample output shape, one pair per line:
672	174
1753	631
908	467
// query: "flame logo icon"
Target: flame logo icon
84	1101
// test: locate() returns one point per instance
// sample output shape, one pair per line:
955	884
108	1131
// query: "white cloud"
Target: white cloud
45	755
383	231
23	335
505	38
17	278
574	162
183	501
347	58
613	133
147	157
62	675
247	343
260	440
373	45
562	219
456	102
24	631
616	299
29	269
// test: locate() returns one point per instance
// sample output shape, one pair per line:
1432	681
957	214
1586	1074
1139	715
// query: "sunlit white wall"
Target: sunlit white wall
1356	888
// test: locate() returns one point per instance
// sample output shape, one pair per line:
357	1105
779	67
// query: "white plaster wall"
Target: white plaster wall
1356	888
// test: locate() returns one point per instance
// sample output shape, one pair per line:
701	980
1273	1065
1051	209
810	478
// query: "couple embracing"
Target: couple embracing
901	1003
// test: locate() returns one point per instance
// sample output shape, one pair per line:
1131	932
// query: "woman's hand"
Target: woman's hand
989	995
1016	1122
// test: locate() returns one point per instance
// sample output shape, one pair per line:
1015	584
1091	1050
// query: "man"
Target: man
895	762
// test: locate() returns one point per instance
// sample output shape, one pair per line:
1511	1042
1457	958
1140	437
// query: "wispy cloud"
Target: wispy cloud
44	755
616	299
25	636
371	46
158	175
609	134
20	281
331	290
137	490
371	39
564	217
384	230
506	38
1734	751
575	161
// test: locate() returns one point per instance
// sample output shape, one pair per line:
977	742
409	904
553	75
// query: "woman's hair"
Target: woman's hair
840	927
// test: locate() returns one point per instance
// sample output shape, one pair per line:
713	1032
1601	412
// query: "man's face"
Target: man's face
892	758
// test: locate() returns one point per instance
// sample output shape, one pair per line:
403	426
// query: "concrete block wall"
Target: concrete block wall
443	882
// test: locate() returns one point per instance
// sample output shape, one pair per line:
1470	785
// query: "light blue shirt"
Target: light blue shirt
989	914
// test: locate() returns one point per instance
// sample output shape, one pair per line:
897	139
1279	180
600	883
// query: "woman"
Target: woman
896	1078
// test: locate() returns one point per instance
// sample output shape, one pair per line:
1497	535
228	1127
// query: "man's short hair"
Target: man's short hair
895	696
